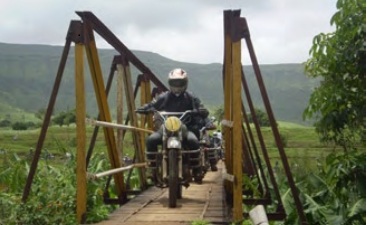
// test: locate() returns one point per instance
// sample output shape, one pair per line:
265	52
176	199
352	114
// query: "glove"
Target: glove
140	110
144	110
195	111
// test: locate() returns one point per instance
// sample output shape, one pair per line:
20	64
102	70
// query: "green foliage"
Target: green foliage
5	123
64	118
284	139
219	113
339	59
40	114
261	116
52	199
23	125
334	195
200	222
19	126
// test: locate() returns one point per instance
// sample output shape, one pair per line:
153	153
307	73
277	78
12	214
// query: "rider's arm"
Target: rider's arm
156	104
209	125
196	102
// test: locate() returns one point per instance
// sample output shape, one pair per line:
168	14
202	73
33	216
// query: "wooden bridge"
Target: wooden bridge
245	156
202	202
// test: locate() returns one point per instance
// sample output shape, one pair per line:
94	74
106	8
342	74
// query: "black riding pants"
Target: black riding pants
155	139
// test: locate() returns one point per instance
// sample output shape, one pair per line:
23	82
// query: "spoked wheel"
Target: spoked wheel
173	183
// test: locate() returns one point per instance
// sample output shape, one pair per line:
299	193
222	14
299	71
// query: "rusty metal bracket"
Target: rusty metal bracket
75	32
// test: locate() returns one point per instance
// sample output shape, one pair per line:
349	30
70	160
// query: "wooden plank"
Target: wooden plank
151	207
160	217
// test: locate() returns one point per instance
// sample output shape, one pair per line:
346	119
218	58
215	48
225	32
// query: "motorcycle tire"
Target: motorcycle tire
173	183
179	191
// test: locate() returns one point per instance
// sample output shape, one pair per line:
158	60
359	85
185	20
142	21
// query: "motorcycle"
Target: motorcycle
209	151
217	143
173	162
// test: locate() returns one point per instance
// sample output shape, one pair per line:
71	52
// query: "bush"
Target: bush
19	126
48	204
5	123
284	139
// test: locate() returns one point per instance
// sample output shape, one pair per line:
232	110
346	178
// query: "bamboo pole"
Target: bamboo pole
116	125
116	170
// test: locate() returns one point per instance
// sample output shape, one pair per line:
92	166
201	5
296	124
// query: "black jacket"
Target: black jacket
169	102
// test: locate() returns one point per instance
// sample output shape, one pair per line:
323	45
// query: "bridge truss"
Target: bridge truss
242	157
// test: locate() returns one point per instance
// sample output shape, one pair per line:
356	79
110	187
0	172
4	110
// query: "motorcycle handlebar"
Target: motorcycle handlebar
164	113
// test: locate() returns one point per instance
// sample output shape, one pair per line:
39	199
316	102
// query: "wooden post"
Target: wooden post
99	88
227	101
133	119
237	123
145	97
81	171
119	108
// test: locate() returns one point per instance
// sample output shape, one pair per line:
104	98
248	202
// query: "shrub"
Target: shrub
19	126
5	123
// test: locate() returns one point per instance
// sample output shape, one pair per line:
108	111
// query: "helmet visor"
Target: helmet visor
178	83
177	90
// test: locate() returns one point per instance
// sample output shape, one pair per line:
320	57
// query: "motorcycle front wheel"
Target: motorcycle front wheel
173	183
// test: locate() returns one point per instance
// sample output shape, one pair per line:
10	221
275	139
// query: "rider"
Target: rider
177	99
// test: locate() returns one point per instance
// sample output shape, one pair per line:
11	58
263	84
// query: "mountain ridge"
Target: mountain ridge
28	71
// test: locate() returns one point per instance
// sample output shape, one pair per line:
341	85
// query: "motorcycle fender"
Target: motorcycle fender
173	142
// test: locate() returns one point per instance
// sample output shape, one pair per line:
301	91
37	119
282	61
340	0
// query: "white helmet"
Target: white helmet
177	81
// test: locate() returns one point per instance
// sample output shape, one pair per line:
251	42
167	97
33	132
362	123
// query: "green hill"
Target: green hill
27	74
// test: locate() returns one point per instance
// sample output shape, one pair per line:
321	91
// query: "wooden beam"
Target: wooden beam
227	99
237	127
119	109
81	171
129	93
99	88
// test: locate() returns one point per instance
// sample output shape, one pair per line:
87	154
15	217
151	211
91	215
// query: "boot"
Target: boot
197	174
213	165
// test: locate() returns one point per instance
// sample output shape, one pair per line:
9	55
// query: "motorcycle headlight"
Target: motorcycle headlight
172	124
173	143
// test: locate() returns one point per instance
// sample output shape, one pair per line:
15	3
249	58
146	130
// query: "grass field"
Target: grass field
302	143
58	141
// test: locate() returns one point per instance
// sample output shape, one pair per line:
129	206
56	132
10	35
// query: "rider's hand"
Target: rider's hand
144	110
195	111
141	110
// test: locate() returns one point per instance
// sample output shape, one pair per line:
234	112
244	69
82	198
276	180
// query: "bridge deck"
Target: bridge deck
199	202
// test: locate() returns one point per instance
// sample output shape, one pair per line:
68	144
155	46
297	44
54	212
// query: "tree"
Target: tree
339	59
219	113
19	126
5	123
40	114
70	117
261	117
59	118
65	118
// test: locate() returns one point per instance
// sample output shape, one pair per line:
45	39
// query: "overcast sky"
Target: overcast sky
183	30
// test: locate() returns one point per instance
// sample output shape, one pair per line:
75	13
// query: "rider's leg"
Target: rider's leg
152	143
193	144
